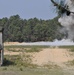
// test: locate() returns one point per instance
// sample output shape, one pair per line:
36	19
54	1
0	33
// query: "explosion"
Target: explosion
67	16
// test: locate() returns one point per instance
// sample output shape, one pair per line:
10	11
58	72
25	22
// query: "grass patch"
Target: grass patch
18	60
49	66
21	64
23	48
71	50
33	71
67	47
70	63
4	68
21	69
34	49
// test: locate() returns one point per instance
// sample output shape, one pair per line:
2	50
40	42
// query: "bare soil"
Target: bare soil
57	56
54	55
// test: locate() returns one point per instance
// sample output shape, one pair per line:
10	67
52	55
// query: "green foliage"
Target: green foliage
21	69
71	50
5	68
70	63
34	49
31	30
18	60
67	47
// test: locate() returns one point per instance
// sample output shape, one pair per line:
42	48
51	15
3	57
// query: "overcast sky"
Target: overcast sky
41	9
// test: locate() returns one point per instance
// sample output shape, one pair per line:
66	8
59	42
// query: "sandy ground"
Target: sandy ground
11	43
57	56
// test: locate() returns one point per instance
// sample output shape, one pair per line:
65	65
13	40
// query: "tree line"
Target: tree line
31	30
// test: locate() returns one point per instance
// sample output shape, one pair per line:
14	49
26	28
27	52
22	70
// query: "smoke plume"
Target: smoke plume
67	21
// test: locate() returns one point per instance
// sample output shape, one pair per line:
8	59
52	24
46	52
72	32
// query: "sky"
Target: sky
26	9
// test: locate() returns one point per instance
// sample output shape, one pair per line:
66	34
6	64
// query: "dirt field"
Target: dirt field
43	57
53	55
58	56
